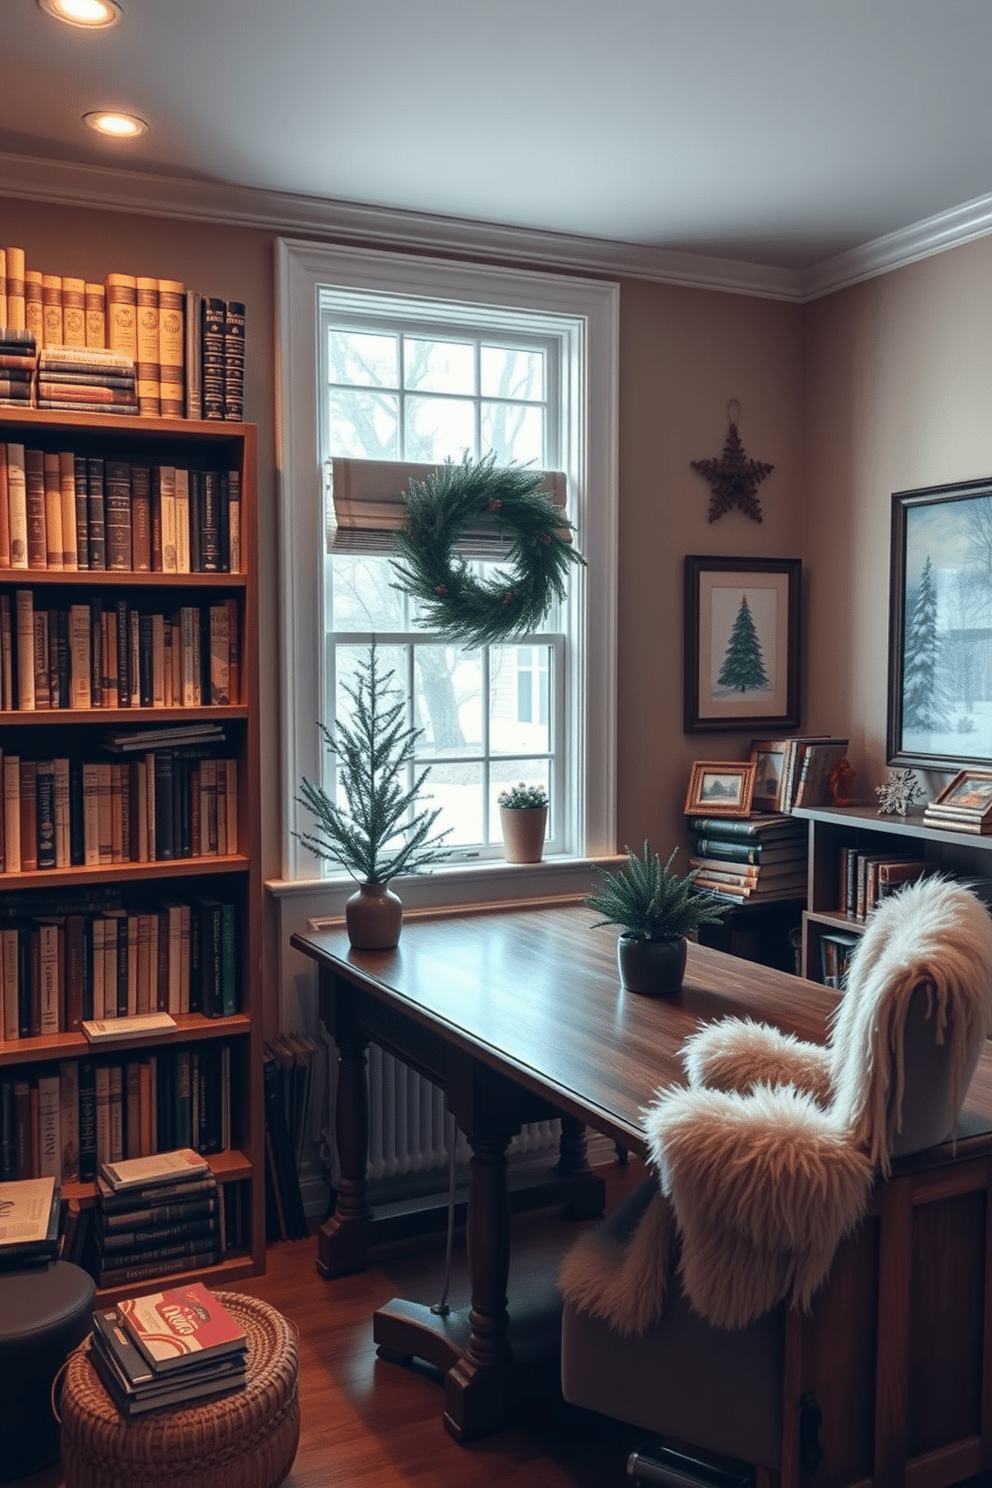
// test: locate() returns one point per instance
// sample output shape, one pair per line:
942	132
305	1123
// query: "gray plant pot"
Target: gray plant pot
654	968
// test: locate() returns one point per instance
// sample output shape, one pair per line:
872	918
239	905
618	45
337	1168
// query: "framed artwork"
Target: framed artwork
769	756
720	788
940	627
741	644
968	798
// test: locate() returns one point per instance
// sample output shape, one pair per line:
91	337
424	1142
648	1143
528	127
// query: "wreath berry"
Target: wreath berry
457	604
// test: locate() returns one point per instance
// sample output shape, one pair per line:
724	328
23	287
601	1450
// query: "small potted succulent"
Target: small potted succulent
656	909
523	814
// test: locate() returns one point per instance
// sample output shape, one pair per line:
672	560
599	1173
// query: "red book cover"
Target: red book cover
182	1326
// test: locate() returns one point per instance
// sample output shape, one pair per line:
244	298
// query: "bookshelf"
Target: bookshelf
140	882
833	829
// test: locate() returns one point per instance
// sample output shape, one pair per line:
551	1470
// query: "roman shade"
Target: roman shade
364	507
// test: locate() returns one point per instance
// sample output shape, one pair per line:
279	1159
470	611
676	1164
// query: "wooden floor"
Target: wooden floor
366	1422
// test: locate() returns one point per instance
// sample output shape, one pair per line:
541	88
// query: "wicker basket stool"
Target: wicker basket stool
244	1440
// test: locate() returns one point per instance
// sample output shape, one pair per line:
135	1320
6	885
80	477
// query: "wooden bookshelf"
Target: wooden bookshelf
74	733
834	828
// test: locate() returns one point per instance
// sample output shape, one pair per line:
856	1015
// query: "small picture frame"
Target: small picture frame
769	756
968	797
720	788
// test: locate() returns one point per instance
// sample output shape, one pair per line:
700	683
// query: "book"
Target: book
29	1220
171	347
764	826
121	291
106	1030
164	1168
94	300
147	359
134	1386
812	787
234	360
182	1325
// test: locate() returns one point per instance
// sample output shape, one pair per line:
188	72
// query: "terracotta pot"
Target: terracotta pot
373	917
523	832
654	968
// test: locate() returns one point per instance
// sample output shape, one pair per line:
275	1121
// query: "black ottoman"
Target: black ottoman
45	1312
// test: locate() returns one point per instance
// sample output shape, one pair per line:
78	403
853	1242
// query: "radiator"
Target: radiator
408	1123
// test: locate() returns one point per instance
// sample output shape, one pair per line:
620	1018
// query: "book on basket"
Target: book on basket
184	1327
134	1386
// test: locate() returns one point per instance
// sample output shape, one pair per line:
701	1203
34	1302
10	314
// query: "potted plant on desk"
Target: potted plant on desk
381	834
523	815
656	910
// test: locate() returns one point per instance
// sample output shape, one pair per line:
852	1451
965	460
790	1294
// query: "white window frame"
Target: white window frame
590	463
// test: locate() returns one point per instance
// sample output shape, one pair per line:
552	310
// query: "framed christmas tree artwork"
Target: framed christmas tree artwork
742	643
940	627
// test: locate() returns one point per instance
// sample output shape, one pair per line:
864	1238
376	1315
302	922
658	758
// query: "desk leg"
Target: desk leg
586	1187
476	1387
343	1240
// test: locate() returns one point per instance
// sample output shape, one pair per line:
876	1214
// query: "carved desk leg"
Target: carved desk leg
587	1188
476	1387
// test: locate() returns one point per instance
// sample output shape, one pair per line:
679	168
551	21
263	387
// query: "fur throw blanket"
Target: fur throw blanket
766	1161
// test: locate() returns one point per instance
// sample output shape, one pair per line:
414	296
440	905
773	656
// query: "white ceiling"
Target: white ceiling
775	132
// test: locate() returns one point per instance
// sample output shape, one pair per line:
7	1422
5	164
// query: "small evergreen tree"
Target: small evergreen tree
743	666
923	700
381	834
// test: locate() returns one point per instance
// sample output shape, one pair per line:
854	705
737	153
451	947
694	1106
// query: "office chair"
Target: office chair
714	1308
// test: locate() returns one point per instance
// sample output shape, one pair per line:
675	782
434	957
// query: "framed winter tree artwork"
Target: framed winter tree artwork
940	627
741	644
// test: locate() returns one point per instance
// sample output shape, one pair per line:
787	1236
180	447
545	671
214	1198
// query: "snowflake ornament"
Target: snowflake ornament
898	793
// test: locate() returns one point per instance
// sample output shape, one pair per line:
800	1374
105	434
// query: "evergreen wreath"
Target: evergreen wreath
457	604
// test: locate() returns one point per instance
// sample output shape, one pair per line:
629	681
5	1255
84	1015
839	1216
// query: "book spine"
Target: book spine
49	1127
171	332
96	512
214	315
73	312
34	485
51	299
45	812
234	361
147	360
117	514
34	306
121	310
15	289
24	627
18	504
94	299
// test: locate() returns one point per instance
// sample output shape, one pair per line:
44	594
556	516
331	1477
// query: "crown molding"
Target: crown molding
895	250
70	183
195	200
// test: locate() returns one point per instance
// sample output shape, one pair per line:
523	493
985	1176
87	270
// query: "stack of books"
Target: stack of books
868	877
750	860
29	1222
156	1216
85	379
18	364
168	1349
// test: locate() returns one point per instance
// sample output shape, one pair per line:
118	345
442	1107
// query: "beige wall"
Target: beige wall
684	354
899	396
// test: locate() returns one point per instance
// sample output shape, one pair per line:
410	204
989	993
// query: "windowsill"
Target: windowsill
463	886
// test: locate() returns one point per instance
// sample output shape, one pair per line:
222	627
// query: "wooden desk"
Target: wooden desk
517	1014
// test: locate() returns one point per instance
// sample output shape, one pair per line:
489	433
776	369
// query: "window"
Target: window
417	360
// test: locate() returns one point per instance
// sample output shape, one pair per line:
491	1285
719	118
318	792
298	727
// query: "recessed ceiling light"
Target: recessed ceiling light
83	12
118	126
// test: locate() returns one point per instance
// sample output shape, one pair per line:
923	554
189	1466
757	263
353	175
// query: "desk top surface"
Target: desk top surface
536	995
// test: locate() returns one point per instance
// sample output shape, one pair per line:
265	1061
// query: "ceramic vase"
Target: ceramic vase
373	917
523	832
654	968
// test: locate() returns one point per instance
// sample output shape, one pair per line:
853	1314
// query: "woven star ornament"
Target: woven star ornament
734	479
